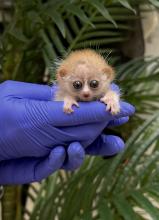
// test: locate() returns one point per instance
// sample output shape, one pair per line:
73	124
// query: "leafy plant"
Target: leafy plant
138	80
117	188
107	189
40	32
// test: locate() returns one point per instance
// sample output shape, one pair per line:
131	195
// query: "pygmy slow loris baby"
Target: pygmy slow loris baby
85	76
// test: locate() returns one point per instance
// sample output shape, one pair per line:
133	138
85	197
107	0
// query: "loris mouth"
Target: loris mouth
89	99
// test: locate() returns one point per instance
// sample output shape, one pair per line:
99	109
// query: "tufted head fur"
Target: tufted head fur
84	74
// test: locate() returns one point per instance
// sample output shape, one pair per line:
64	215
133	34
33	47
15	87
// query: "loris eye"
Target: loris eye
77	85
94	84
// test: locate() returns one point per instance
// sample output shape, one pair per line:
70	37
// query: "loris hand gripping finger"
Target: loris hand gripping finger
85	76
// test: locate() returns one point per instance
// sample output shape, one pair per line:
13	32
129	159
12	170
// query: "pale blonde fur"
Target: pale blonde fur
84	66
86	55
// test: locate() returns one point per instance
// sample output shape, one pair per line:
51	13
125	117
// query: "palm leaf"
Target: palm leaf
107	188
41	32
138	80
47	29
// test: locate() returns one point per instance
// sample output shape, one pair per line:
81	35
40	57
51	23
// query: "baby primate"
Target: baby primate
85	76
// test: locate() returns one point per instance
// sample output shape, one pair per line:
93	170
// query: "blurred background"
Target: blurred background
34	34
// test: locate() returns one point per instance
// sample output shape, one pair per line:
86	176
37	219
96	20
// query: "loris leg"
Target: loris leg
111	99
68	103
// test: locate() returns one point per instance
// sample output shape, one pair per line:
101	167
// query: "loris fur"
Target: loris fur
84	75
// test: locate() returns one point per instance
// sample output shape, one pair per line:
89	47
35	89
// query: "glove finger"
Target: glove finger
75	156
51	164
126	109
115	88
105	145
118	122
26	170
27	90
87	113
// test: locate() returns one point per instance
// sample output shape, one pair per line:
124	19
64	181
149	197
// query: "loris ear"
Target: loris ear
110	73
61	73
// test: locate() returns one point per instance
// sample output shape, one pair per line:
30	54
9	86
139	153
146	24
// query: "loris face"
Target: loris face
85	76
85	81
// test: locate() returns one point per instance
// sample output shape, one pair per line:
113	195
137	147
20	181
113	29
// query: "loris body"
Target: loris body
85	76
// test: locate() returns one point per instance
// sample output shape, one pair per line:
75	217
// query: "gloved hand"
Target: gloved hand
37	138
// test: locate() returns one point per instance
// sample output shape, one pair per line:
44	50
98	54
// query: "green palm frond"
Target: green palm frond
107	189
154	2
139	81
41	32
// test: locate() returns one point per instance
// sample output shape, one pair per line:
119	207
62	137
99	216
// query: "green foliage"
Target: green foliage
12	209
154	2
39	33
107	189
138	80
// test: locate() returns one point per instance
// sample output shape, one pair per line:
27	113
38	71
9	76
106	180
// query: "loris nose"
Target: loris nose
86	94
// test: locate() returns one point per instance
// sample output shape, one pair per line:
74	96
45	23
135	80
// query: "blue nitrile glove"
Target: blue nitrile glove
37	138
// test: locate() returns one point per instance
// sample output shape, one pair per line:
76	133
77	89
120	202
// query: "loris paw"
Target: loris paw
112	105
68	109
68	106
